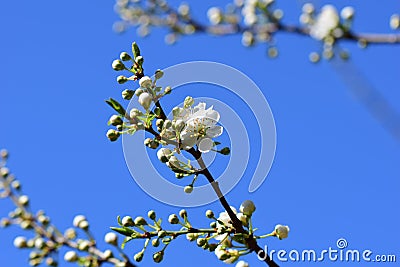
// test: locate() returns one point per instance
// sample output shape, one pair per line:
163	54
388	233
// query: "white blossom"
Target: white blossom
327	20
145	82
200	125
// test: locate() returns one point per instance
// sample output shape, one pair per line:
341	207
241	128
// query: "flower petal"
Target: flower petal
205	145
214	131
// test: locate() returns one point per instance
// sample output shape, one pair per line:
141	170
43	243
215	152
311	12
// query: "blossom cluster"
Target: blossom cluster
220	238
257	21
43	239
190	127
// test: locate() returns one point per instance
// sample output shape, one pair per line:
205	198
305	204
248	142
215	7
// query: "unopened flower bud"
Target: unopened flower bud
139	221
281	231
124	56
111	238
158	74
39	243
201	242
188	189
71	256
145	82
127	221
188	102
51	262
155	242
162	234
83	245
4	153
210	214
164	154
147	141
159	122
242	264
16	185
4	171
107	254
145	100
213	224
347	13
225	151
118	65
70	233
139	60
178	125
138	92
43	219
308	8
167	124
23	200
138	256
247	207
84	225
151	214
173	219
122	79
395	21
158	256
192	236
243	218
115	120
20	242
135	113
183	213
167	90
128	94
112	135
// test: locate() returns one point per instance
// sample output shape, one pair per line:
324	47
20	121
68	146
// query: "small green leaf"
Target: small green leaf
216	143
126	240
123	231
135	50
116	106
119	220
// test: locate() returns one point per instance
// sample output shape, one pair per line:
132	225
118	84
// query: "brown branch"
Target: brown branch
237	224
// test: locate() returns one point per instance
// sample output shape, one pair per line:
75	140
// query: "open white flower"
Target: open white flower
200	127
325	23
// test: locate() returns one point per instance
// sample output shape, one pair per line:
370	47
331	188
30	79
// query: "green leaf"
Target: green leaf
126	240
159	221
116	106
217	143
135	50
123	231
119	220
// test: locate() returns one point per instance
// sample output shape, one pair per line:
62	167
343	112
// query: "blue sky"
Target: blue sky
335	174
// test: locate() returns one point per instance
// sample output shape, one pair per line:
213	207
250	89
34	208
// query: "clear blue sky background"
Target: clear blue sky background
336	171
